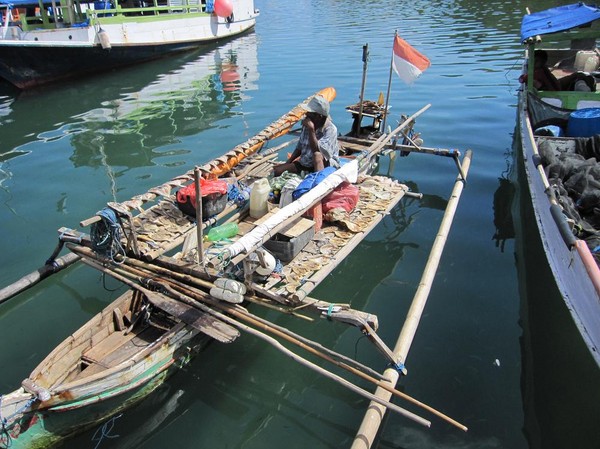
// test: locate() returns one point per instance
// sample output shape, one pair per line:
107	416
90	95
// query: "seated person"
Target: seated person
318	144
544	79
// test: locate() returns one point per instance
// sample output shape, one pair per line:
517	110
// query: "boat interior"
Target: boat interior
577	68
122	330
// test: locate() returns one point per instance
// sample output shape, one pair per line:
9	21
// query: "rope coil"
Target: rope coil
106	234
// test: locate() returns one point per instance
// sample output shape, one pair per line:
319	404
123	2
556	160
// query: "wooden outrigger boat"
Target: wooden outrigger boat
183	289
558	128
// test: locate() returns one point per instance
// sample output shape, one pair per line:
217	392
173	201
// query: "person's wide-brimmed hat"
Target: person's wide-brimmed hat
317	104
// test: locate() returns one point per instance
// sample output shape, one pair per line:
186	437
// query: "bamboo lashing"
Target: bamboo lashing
374	415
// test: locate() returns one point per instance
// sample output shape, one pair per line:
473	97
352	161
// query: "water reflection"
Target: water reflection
382	252
503	198
559	379
136	109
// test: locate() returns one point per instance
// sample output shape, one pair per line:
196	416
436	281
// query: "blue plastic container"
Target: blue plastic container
584	123
101	5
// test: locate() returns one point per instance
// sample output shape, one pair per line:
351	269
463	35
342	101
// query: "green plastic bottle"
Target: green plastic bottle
224	231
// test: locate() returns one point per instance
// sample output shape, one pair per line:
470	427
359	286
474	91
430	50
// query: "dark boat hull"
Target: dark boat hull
558	411
567	267
30	66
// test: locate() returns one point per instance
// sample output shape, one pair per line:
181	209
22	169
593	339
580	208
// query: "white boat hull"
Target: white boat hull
40	56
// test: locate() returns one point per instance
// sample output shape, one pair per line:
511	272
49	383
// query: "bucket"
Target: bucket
258	198
584	123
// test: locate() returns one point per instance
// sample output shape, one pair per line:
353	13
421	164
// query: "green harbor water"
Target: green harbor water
495	350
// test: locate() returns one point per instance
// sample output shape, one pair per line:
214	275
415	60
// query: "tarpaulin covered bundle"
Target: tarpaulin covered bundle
348	173
311	181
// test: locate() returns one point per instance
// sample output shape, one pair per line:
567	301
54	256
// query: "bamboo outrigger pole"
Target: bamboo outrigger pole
374	415
50	268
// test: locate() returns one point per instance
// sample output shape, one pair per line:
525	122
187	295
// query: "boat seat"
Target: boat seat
100	351
102	356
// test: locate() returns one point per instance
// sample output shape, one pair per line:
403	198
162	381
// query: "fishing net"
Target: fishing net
573	172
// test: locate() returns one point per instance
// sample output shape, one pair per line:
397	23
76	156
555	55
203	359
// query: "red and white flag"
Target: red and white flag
408	63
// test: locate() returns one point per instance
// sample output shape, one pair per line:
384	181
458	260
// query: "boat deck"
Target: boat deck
334	241
163	228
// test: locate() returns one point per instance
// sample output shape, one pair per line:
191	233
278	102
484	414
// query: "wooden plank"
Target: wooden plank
111	343
205	323
128	349
102	333
297	228
293	229
119	324
133	346
245	227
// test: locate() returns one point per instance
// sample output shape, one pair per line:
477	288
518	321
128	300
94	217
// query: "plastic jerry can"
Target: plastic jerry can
258	198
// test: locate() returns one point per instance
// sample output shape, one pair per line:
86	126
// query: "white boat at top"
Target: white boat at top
42	42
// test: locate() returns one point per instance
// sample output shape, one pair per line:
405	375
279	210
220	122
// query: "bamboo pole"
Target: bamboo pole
406	148
242	313
199	225
374	415
246	316
275	343
144	269
365	58
121	275
308	345
198	299
36	276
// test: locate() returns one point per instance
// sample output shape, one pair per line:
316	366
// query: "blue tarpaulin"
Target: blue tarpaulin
558	19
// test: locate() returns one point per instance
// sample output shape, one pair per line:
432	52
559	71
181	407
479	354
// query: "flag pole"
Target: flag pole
365	57
387	97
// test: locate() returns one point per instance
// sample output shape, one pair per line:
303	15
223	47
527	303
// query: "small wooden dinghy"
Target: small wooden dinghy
184	291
